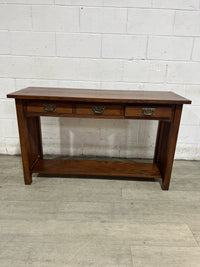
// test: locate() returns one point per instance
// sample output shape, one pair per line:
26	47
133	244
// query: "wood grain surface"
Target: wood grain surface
95	167
87	95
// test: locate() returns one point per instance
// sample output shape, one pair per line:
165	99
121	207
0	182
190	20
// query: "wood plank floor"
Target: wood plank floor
99	222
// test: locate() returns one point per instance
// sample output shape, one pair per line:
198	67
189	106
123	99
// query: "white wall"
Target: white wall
104	44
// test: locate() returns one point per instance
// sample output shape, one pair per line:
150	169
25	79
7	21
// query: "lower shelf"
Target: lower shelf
93	167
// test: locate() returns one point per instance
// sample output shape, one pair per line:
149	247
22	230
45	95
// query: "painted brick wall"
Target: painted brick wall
101	44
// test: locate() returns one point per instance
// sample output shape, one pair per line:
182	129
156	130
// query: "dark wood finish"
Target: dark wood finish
35	139
107	110
85	95
158	141
94	167
44	108
31	103
30	140
24	142
38	138
166	145
159	112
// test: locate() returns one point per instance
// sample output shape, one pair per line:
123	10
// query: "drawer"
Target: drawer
147	112
48	107
99	109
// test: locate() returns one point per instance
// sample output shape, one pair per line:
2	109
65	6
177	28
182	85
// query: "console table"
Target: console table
33	102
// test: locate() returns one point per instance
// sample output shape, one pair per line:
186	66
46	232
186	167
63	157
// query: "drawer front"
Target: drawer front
99	110
48	107
149	112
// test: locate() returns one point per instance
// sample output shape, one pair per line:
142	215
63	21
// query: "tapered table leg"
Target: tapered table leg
166	145
30	140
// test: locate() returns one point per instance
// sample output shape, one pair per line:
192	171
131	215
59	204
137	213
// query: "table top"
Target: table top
90	95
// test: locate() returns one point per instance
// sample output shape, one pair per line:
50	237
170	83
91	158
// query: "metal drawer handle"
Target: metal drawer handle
49	107
148	111
98	109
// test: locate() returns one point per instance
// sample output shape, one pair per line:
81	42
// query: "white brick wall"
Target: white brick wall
101	44
196	50
169	48
144	71
103	20
124	46
150	21
5	43
184	72
176	4
15	17
187	23
78	45
32	43
55	18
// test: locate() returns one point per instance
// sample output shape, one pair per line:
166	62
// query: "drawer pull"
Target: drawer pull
148	111
98	109
49	108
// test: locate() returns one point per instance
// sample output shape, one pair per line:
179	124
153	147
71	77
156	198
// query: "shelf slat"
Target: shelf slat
94	167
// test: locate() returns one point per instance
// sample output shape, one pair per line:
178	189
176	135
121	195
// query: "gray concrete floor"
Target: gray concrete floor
98	222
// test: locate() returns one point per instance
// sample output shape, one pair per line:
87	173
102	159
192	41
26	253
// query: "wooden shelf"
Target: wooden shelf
94	167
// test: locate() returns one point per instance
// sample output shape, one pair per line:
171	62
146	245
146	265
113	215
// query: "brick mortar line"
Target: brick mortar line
100	81
174	22
101	46
95	33
31	19
122	60
15	83
56	49
101	6
99	33
166	73
127	17
79	19
103	58
192	49
147	48
56	79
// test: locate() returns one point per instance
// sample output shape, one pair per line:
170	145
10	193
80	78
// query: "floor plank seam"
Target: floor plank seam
193	235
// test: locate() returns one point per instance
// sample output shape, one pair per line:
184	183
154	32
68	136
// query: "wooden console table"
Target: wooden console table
33	102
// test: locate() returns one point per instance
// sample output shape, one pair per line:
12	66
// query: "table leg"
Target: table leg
158	141
30	140
166	145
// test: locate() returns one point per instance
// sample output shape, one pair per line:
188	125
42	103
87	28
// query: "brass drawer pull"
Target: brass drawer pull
148	111
98	109
49	107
